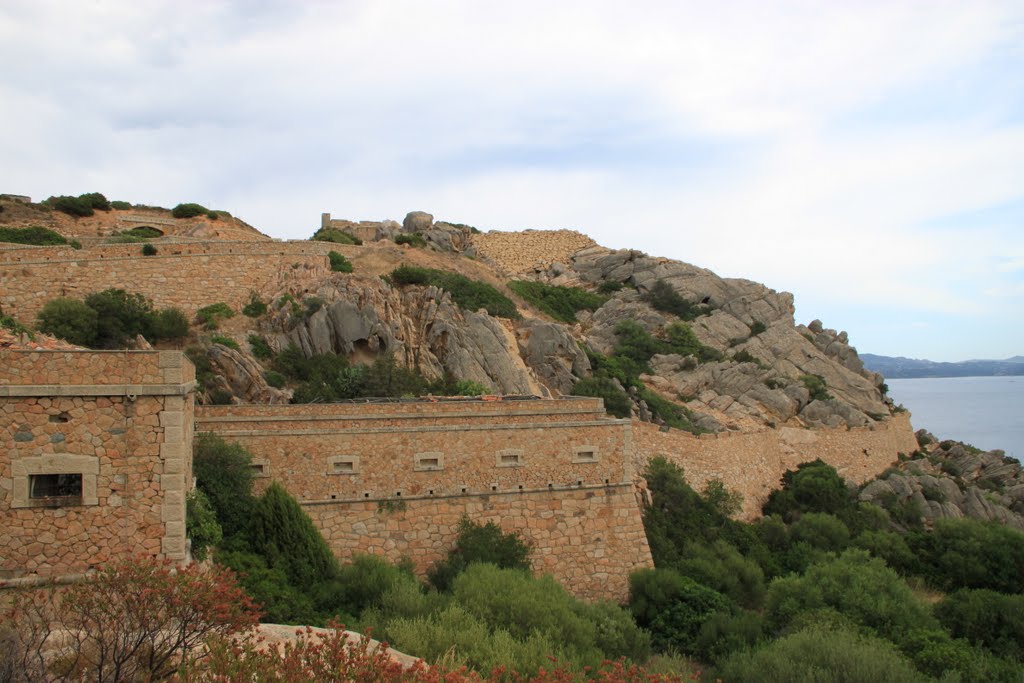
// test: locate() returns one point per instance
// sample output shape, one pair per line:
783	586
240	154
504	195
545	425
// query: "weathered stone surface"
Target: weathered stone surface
553	354
417	221
241	376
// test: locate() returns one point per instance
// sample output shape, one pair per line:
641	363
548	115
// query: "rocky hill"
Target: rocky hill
666	341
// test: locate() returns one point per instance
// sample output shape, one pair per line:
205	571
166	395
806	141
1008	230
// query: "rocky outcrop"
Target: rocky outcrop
552	352
241	376
950	480
422	327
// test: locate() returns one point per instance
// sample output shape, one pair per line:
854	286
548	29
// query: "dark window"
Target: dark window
56	489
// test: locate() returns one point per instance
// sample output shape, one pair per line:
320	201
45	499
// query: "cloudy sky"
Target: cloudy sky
866	156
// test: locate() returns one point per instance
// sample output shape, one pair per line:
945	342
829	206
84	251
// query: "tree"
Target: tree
70	320
480	543
224	474
811	487
120	317
134	620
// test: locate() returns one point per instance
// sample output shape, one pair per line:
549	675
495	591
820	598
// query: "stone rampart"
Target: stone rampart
752	463
395	478
226	271
95	459
529	250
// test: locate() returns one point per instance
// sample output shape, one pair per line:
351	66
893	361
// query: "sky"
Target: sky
866	156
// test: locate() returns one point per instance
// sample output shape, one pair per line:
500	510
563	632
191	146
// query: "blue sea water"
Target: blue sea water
986	412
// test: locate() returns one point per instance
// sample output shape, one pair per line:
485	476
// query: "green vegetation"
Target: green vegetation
616	401
211	316
469	295
336	236
561	303
225	341
816	386
413	239
144	232
148	250
608	287
480	543
120	205
260	348
110	319
663	297
274	379
189	210
339	264
9	322
83	205
201	524
34	235
757	328
256	306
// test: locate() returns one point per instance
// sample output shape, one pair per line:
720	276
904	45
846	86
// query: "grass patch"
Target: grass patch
225	341
339	264
33	235
413	239
469	295
336	236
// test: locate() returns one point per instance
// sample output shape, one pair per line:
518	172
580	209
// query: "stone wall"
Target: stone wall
123	423
225	271
752	463
522	252
558	471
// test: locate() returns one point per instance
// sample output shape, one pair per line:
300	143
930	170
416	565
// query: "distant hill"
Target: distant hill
898	368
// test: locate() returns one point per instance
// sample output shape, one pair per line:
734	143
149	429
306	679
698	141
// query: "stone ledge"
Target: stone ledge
392	416
438	428
46	390
482	494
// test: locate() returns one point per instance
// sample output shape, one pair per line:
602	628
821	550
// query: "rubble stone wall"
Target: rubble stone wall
128	434
229	271
752	463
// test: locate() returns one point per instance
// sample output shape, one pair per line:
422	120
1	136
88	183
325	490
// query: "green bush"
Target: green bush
201	524
937	654
188	210
616	401
339	264
280	602
757	328
561	303
967	553
987	618
274	379
260	348
34	235
609	287
286	537
820	530
673	607
120	205
225	341
256	306
816	386
73	206
144	232
148	250
721	567
411	238
96	200
891	547
361	585
70	320
469	295
212	215
821	656
724	633
812	487
663	297
9	322
480	543
223	472
121	316
210	316
169	323
336	236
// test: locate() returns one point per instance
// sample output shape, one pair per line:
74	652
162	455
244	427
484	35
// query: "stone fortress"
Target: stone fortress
95	447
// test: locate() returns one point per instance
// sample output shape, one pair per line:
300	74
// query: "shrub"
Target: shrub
224	474
283	533
967	553
148	250
34	235
480	543
260	348
672	414
144	232
663	297
361	585
121	316
413	239
336	236
8	322
256	306
616	401
984	617
721	567
96	200
757	328
811	487
120	205
935	653
210	316
225	341
822	656
820	530
201	524
70	320
73	206
469	295
134	620
673	607
339	264
609	287
212	215
274	379
188	210
561	303
724	633
816	386
169	323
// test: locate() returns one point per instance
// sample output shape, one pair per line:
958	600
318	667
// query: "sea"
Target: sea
986	412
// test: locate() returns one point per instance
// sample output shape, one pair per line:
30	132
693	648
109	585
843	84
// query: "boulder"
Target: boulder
417	221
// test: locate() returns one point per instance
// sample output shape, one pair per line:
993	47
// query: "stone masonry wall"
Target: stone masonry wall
228	271
752	463
558	471
589	539
521	252
129	434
